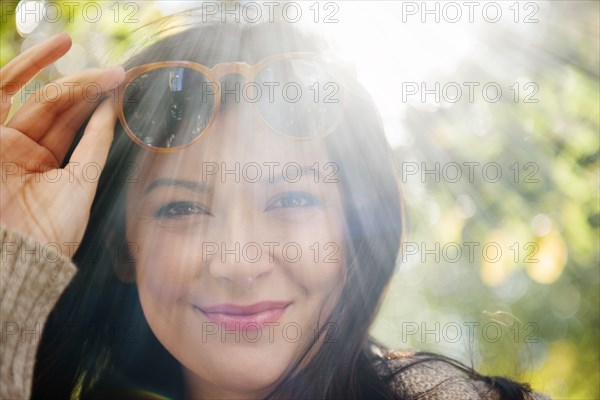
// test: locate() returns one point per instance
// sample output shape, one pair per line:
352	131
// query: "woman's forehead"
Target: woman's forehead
237	140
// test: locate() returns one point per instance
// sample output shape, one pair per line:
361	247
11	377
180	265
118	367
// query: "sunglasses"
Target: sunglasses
166	106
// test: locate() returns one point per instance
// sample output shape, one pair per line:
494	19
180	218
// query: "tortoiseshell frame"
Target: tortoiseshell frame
213	75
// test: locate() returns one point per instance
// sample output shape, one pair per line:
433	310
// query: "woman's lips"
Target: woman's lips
242	318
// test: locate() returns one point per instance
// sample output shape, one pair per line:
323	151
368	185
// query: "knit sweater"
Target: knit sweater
33	276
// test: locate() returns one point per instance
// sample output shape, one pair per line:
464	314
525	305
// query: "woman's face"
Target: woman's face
240	253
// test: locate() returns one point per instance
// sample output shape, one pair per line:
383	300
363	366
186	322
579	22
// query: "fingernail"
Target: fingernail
118	71
115	68
61	35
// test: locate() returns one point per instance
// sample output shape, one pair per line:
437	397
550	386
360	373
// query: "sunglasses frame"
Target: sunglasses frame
213	75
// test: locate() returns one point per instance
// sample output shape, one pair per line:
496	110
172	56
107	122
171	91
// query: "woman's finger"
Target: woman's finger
94	145
39	112
16	73
60	135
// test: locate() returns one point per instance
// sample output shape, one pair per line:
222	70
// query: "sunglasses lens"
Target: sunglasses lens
304	98
168	107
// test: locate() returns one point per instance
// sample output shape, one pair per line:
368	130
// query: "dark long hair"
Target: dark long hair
97	342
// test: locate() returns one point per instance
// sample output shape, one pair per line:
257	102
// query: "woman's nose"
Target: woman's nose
238	262
241	253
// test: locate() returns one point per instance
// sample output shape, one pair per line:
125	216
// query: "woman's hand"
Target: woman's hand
37	197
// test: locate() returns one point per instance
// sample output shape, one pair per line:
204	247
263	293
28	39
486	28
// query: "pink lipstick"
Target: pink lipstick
251	317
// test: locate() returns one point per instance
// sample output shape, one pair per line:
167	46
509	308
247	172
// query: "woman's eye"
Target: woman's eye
180	209
293	199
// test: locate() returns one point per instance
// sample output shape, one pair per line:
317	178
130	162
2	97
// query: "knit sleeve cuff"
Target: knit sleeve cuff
32	277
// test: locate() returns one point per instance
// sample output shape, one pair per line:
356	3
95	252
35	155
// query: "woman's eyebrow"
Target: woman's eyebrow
191	185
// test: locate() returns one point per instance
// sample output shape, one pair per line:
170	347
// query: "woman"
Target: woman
239	241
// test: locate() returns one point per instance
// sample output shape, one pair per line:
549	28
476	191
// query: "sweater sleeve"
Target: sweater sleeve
32	277
413	374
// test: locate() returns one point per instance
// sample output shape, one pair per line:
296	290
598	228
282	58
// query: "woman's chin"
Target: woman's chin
257	378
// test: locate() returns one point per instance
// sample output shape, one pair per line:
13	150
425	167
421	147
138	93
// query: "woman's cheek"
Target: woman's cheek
320	267
321	263
166	264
